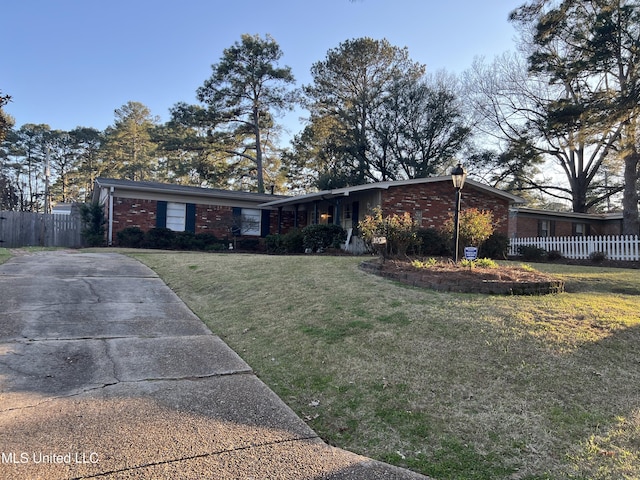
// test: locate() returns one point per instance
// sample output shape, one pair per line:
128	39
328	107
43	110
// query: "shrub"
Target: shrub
431	242
290	242
400	231
318	237
184	241
598	257
475	227
485	263
93	221
467	263
430	262
496	246
554	255
206	239
132	237
293	241
532	253
215	247
159	238
248	244
273	243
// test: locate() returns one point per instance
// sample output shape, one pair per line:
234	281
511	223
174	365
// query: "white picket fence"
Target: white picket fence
619	247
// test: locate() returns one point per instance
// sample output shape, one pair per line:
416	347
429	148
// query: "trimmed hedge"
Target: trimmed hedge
315	238
291	242
131	237
167	239
319	237
532	253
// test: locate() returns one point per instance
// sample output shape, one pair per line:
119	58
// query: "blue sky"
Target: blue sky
70	63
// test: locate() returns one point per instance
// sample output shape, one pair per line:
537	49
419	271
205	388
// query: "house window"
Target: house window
546	228
176	215
330	210
250	221
579	229
179	217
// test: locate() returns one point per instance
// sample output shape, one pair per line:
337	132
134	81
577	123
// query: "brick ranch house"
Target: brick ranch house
149	205
429	201
529	222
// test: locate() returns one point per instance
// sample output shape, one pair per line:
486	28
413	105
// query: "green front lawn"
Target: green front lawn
455	386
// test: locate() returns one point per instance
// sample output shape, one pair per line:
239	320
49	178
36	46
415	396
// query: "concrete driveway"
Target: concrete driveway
105	373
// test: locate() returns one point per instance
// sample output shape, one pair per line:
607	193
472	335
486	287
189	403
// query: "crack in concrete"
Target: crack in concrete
133	382
201	455
92	289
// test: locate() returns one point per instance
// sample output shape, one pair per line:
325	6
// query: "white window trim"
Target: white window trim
176	216
250	222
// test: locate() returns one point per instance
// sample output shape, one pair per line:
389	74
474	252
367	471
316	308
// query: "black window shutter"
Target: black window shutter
355	213
236	229
190	219
161	214
265	223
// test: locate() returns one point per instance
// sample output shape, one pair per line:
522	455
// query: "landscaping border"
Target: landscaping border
467	284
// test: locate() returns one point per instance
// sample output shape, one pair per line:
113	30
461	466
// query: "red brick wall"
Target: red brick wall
216	219
436	201
528	227
128	212
525	227
287	221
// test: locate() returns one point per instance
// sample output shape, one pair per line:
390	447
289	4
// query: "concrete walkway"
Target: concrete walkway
105	373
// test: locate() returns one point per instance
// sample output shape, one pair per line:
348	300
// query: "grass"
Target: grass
4	255
455	386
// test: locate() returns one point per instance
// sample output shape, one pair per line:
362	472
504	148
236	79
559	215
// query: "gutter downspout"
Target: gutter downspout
110	236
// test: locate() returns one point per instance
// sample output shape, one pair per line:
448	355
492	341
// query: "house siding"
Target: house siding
431	206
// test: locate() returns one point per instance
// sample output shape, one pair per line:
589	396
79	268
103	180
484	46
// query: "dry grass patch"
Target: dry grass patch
456	386
4	255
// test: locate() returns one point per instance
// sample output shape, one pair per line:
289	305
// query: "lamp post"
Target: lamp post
458	176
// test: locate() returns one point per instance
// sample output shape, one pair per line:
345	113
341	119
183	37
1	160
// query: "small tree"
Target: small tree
400	231
475	226
93	221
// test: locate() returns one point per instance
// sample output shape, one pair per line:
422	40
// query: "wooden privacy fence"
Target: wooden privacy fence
23	229
620	247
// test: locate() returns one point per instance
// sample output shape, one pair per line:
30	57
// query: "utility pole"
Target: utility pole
47	174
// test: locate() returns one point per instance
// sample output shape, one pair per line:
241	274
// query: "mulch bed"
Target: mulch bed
449	277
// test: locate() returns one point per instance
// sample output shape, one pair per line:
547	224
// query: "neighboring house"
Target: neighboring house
429	201
530	222
147	205
63	208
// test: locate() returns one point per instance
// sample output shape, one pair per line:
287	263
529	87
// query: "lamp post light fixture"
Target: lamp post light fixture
458	176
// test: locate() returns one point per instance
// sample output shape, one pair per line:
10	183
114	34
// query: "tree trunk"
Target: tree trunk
256	123
579	195
630	221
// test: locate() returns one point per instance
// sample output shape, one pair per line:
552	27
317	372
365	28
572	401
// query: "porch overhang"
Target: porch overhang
332	195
